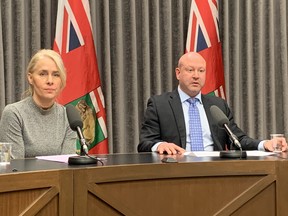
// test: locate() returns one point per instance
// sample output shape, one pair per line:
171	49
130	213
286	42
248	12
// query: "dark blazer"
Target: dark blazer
164	121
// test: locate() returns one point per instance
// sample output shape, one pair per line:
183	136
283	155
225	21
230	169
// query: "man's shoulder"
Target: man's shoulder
164	99
166	95
212	99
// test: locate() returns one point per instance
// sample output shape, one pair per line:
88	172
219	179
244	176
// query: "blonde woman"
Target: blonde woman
38	125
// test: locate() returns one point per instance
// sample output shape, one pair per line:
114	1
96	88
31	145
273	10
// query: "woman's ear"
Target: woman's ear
29	78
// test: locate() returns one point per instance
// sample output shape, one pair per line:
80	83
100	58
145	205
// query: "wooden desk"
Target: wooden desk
34	187
194	186
140	184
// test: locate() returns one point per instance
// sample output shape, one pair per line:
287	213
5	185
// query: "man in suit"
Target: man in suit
166	122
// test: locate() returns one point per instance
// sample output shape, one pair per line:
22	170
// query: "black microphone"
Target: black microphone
223	122
76	124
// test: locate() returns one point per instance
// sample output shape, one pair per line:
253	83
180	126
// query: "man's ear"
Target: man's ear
177	72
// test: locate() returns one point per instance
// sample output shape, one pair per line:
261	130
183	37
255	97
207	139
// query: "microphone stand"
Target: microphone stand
84	158
233	153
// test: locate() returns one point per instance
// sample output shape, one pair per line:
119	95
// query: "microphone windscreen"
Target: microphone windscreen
219	116
74	117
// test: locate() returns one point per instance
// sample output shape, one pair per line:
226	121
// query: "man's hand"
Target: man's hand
169	148
268	145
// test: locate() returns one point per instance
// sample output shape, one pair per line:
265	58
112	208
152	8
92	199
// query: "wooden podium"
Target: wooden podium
140	184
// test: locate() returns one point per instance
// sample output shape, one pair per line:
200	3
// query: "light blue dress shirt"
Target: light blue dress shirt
206	133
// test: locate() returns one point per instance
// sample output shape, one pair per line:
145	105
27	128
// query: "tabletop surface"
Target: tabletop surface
32	164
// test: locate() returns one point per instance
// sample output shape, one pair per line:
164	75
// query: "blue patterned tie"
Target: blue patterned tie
195	129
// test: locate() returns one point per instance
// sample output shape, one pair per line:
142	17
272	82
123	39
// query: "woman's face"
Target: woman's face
46	82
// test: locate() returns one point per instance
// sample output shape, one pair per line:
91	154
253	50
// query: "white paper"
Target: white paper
57	158
216	153
259	153
203	153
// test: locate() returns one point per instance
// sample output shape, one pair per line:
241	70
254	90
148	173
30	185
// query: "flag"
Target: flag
74	42
203	37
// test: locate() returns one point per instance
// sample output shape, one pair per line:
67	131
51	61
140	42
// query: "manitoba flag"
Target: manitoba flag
74	41
203	37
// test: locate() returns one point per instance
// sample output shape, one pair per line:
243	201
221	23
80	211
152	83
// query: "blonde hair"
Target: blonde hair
52	55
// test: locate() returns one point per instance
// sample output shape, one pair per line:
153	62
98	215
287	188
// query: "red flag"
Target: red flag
203	37
74	41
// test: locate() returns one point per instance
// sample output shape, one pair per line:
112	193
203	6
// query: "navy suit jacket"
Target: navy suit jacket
164	121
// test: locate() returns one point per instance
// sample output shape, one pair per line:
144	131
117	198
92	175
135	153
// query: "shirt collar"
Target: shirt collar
184	96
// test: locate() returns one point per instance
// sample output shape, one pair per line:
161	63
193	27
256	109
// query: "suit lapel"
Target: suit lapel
207	106
177	109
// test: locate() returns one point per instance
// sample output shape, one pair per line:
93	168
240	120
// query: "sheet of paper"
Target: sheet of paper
259	153
216	153
57	158
203	153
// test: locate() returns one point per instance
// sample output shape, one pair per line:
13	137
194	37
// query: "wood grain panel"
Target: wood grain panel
37	193
213	188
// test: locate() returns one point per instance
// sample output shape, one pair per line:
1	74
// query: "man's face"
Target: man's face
191	73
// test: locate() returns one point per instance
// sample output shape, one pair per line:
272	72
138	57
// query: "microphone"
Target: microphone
76	124
223	122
